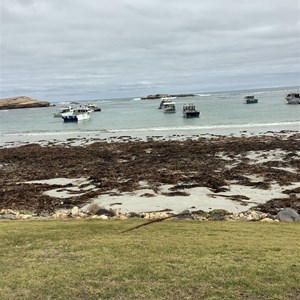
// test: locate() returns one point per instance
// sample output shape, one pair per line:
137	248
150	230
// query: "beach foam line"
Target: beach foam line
158	129
207	127
204	95
54	133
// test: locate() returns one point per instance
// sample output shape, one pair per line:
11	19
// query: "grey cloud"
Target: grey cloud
121	48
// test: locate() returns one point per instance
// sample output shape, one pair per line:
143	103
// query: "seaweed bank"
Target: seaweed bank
127	176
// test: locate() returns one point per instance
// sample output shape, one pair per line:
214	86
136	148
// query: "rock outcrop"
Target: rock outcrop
22	102
159	96
288	215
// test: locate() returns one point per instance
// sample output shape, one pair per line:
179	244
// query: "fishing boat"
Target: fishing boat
164	100
169	107
189	111
65	110
92	107
78	114
293	98
250	100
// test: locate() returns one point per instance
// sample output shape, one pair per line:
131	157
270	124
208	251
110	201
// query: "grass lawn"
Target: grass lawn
91	259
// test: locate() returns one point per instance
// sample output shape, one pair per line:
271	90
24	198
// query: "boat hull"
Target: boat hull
251	101
68	119
191	114
76	118
293	102
169	111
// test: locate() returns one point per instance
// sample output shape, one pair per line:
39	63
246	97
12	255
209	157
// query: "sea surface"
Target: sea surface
222	113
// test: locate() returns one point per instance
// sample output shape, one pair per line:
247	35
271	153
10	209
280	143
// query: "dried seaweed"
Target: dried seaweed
120	167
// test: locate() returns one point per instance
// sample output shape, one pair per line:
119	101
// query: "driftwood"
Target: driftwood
154	221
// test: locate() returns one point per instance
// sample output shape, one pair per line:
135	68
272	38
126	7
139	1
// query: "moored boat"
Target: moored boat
169	107
65	110
92	107
189	111
78	114
164	100
293	98
250	100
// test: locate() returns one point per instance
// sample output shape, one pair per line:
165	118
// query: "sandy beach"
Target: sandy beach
132	175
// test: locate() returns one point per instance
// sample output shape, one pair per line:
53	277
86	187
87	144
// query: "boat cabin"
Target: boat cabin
189	107
294	95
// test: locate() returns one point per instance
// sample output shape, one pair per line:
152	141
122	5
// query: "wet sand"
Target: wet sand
128	174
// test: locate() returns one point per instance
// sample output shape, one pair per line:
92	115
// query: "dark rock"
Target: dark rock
185	216
106	212
134	215
218	214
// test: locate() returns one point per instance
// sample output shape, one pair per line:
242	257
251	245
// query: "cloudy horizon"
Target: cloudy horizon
103	49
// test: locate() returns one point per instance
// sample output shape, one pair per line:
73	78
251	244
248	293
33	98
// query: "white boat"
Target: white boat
78	114
92	107
65	110
169	107
293	98
189	111
165	100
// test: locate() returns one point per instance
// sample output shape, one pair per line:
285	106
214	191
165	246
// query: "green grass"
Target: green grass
90	259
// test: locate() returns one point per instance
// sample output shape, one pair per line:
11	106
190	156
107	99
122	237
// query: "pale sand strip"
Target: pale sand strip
199	198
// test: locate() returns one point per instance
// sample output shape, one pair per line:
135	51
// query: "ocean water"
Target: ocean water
221	113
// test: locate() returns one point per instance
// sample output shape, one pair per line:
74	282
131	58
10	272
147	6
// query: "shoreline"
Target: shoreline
195	173
88	137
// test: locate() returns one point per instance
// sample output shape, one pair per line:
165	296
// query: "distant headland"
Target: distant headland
158	96
21	102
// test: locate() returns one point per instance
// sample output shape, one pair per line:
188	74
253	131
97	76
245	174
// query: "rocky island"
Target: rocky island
158	96
21	102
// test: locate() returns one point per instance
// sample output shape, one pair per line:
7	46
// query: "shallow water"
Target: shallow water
221	113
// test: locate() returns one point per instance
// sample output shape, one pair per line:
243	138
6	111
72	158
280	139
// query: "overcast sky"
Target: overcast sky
74	49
